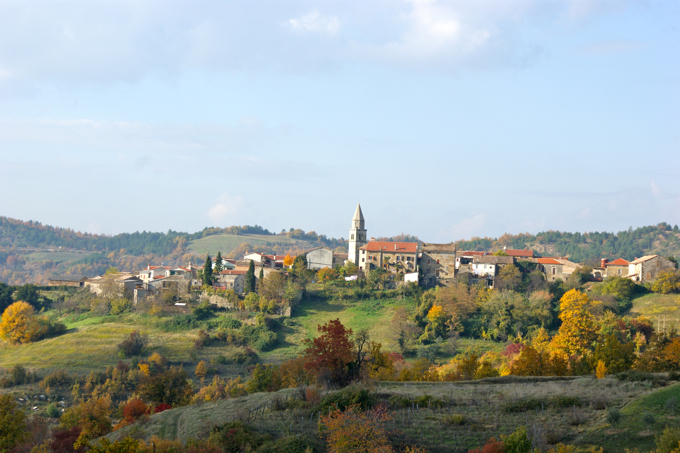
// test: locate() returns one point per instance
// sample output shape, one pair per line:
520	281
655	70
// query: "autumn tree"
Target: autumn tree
458	301
578	331
667	282
207	271
20	324
354	431
249	285
509	277
327	274
12	423
273	288
92	416
288	260
331	352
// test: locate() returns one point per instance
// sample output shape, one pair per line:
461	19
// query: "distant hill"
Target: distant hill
31	251
589	248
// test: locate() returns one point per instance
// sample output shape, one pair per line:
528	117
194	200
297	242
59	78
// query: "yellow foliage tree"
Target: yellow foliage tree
21	325
600	370
288	260
91	416
201	369
578	330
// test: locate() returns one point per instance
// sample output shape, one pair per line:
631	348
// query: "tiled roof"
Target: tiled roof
470	253
522	253
490	259
439	247
643	259
232	272
617	262
386	246
548	261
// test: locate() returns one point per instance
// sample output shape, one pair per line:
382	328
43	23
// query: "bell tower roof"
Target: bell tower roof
358	215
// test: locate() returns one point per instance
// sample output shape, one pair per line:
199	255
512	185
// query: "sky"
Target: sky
444	119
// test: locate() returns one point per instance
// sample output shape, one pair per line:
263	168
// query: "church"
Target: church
433	261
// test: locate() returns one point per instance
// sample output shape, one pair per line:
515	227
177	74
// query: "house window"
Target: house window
352	237
437	261
619	271
363	260
398	258
553	271
428	261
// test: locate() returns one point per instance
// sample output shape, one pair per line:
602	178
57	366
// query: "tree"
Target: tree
352	430
327	274
5	296
171	387
261	277
249	285
218	263
667	282
273	287
91	416
111	270
207	272
288	261
201	369
12	423
578	331
21	325
509	277
29	294
332	351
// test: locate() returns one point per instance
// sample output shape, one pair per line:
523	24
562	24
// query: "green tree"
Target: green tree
249	286
218	263
29	294
509	277
12	423
207	271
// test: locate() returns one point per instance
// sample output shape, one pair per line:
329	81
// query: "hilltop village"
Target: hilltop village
426	264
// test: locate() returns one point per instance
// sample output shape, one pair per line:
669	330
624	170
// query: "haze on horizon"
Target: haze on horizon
445	119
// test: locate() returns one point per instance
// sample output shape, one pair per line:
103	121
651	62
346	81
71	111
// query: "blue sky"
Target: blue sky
446	120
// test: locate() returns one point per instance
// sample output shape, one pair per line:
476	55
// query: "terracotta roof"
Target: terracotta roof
522	253
643	259
617	262
387	246
548	261
231	272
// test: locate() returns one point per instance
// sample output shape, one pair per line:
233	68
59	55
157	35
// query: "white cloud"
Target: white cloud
226	209
467	228
314	22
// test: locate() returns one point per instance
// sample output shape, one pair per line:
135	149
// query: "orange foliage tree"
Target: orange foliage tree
353	431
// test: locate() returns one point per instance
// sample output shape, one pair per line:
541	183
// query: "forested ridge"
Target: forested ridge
662	239
17	233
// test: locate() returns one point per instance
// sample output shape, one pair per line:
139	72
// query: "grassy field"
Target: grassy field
656	306
225	243
55	256
454	417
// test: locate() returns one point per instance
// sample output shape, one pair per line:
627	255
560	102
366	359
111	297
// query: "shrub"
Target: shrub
59	378
119	306
12	423
354	430
492	446
232	436
517	442
613	416
635	376
349	396
18	375
134	409
52	411
133	345
667	441
291	444
456	419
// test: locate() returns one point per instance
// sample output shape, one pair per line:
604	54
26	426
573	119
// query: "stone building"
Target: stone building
116	284
357	235
553	269
391	256
616	268
647	268
437	263
229	279
319	258
485	268
65	280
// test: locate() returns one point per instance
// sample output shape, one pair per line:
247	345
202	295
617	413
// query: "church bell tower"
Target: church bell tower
357	235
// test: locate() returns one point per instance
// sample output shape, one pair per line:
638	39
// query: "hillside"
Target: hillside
229	243
589	248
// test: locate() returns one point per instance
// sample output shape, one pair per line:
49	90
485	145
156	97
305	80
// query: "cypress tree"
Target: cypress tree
218	263
261	273
207	271
249	286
